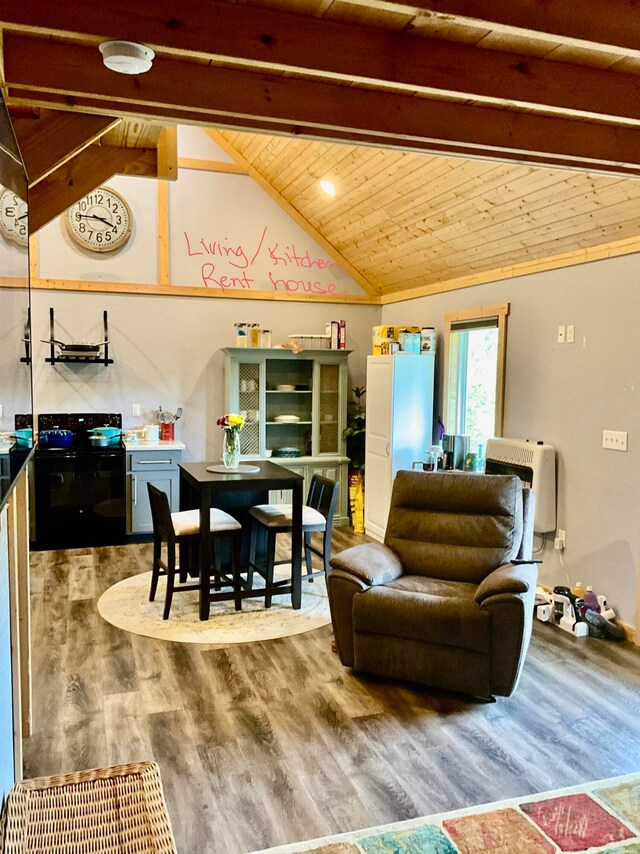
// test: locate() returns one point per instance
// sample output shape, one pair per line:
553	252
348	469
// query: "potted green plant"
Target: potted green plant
354	434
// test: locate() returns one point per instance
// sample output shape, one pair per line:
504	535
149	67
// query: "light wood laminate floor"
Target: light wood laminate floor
265	743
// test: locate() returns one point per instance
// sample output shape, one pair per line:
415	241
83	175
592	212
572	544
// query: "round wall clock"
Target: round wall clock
13	218
101	221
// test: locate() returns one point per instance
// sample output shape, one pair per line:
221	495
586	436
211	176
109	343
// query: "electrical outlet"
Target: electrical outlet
614	440
561	332
560	541
571	334
135	409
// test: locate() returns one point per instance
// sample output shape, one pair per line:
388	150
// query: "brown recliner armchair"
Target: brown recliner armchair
448	599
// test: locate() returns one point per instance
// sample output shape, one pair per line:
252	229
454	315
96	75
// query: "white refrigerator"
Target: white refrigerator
400	393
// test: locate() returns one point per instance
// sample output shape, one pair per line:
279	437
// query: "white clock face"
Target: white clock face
101	221
13	218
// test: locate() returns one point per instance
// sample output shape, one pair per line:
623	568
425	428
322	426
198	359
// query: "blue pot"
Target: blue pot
24	437
55	438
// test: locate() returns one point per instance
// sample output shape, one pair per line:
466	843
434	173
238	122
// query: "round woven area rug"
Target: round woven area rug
126	605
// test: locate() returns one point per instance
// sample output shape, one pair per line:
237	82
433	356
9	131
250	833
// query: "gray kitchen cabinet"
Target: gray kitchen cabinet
265	385
159	468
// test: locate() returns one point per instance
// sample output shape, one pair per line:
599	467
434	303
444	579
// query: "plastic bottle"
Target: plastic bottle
578	590
590	601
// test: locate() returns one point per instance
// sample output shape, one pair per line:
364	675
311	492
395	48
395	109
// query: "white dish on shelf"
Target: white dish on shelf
285	387
286	419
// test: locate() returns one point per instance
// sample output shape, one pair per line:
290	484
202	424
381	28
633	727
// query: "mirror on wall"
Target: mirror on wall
16	407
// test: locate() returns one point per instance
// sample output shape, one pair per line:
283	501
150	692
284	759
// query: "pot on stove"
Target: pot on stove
55	438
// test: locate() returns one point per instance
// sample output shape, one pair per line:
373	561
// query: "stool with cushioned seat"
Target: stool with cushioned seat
317	516
175	528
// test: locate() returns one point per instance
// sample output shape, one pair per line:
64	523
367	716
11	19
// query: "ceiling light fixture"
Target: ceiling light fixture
328	187
126	57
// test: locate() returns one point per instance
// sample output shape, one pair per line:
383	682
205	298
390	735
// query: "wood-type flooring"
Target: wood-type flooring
265	743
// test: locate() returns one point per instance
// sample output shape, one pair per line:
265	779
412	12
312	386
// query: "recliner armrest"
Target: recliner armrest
508	578
371	563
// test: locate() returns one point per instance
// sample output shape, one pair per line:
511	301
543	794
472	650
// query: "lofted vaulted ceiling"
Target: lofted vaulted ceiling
452	114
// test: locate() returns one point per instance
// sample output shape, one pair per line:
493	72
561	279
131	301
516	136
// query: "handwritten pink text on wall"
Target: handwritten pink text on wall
288	260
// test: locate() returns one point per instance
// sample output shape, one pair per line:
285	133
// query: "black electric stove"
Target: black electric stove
80	491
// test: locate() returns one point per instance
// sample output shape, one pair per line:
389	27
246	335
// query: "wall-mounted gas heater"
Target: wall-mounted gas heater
535	465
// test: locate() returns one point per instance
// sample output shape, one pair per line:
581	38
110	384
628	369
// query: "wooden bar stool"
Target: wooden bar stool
184	527
317	515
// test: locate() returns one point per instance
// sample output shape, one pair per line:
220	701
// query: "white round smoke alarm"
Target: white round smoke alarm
126	57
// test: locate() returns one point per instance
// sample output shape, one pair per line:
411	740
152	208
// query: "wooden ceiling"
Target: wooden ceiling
414	224
409	88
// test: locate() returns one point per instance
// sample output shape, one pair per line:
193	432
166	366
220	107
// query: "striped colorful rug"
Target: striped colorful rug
597	817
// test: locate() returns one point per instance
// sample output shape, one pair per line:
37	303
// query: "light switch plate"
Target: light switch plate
614	440
561	330
135	409
571	334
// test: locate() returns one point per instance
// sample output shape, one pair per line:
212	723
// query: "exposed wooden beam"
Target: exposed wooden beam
182	291
183	89
168	154
83	173
588	22
55	137
210	166
304	131
294	213
273	40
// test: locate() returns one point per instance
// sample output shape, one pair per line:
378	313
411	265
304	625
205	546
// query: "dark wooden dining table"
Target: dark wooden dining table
236	493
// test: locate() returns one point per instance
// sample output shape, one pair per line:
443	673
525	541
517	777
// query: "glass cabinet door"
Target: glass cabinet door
249	406
329	440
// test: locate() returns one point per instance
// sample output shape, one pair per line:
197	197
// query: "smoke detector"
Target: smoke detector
126	57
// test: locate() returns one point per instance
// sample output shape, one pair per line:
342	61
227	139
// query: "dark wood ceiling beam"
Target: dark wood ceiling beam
591	23
281	41
54	137
77	177
332	135
182	90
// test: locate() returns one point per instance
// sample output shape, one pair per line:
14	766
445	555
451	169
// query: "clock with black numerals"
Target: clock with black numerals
13	218
101	221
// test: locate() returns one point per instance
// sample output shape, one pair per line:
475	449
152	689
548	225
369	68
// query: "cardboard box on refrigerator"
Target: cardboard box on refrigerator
383	336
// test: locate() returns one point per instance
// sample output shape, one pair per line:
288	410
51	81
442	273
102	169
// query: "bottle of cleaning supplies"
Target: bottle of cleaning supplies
578	590
590	601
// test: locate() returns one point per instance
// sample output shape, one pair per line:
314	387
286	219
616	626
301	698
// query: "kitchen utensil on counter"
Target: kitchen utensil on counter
151	433
168	432
55	438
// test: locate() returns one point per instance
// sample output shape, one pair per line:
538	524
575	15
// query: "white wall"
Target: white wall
166	351
566	395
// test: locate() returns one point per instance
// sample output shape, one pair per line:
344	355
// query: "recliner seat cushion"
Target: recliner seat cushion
424	609
440	527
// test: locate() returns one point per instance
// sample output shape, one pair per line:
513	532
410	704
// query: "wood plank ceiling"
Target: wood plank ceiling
440	121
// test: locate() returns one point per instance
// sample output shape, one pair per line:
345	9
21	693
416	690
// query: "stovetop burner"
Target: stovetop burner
80	424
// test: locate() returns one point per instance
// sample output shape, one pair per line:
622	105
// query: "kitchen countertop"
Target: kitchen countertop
143	445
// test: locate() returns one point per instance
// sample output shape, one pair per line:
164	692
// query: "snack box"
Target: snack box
384	336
